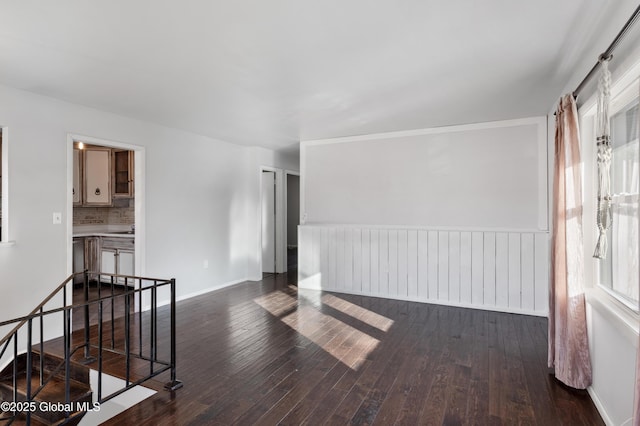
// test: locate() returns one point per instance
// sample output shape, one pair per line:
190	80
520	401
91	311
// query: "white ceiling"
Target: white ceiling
273	72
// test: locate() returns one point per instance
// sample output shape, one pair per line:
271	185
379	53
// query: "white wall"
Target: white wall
202	199
487	175
612	344
454	215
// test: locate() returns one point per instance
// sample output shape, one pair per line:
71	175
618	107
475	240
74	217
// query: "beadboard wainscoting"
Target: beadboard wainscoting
504	270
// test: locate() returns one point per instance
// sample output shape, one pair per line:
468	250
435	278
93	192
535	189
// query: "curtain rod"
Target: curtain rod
609	52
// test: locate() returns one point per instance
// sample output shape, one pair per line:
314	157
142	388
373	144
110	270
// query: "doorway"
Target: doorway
115	207
293	219
268	212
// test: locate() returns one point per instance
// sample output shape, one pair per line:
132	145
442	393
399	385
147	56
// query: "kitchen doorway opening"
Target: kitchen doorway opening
105	227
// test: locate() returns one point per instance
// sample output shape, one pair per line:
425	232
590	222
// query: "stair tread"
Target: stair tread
78	372
35	421
22	420
53	391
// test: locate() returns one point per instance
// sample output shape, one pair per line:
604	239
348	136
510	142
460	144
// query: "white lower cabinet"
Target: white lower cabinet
117	256
108	261
126	263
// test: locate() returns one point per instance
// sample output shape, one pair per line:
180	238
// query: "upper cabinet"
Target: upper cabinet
101	174
122	173
97	177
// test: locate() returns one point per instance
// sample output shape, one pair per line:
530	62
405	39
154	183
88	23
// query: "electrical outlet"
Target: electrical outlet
205	264
57	218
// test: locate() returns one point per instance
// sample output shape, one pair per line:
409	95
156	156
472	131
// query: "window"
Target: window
619	272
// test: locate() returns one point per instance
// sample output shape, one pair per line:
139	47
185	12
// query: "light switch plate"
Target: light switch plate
57	218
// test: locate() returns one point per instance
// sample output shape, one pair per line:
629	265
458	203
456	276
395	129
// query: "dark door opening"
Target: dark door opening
293	220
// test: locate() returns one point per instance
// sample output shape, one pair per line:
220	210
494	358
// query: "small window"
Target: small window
619	272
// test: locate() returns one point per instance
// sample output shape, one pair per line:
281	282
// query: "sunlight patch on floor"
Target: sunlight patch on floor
371	318
344	342
277	303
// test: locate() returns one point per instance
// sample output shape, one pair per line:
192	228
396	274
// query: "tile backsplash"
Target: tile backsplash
121	214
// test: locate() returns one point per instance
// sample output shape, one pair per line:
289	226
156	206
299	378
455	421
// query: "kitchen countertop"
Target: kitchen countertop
105	234
119	231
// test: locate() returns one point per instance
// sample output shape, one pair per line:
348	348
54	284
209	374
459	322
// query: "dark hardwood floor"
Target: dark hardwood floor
264	353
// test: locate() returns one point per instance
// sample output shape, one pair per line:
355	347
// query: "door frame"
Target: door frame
281	248
139	201
274	266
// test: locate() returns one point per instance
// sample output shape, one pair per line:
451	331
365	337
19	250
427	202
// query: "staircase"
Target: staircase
48	400
52	387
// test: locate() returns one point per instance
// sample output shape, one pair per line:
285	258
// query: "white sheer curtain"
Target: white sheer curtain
568	345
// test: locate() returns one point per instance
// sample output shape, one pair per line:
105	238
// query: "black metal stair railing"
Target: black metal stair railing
131	330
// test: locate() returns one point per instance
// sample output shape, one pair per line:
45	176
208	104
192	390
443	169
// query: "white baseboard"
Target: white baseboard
599	406
310	285
197	293
603	412
209	290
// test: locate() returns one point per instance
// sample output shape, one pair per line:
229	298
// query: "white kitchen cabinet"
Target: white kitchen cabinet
108	262
97	176
117	256
126	262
